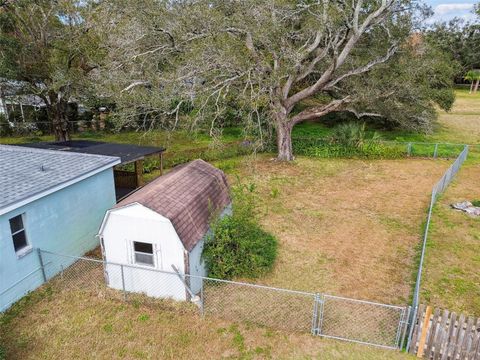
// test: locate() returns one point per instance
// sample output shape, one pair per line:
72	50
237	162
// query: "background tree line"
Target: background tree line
262	65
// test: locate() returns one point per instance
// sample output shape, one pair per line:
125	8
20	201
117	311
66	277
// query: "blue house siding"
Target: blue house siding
64	222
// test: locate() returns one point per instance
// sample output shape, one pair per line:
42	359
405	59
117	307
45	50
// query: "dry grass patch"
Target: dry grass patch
347	227
77	325
462	123
451	277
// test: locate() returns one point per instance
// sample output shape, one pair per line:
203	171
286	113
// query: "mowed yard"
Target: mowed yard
345	227
451	279
75	324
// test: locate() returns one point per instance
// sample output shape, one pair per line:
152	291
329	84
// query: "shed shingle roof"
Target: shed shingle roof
27	173
187	196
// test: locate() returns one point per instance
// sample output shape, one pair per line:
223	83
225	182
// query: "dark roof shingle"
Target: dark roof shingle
188	196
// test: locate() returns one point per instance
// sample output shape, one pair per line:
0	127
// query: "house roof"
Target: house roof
28	174
187	196
127	152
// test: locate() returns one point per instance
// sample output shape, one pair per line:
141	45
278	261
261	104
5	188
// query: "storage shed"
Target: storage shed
163	226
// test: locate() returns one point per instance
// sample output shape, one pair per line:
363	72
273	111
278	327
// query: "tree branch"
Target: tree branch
365	68
318	111
135	84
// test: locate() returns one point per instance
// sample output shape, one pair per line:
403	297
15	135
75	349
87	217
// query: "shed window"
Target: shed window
143	253
18	233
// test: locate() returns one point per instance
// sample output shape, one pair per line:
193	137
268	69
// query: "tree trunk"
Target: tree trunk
57	113
471	87
284	141
476	86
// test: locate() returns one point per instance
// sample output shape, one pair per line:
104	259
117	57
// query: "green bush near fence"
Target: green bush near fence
238	247
378	149
325	149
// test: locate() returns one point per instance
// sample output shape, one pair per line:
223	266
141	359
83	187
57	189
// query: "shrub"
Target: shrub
476	203
238	246
349	140
350	134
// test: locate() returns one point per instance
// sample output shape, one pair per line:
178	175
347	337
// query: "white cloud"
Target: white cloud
447	11
444	9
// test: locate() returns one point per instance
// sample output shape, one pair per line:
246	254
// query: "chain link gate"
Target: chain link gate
360	321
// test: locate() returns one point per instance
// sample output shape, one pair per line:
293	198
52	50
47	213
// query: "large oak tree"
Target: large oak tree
46	50
291	61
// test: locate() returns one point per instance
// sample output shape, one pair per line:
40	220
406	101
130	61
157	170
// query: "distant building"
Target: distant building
51	200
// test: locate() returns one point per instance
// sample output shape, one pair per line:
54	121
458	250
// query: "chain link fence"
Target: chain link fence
437	190
288	310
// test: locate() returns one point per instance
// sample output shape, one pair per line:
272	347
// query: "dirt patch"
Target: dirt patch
346	227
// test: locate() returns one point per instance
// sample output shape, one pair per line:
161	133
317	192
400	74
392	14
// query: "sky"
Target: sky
446	10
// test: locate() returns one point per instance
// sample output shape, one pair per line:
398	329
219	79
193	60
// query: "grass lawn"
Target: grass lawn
346	227
460	125
451	278
76	325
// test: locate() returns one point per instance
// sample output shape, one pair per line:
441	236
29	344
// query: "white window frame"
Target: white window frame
28	247
143	253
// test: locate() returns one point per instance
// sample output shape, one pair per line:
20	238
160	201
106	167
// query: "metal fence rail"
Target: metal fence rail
288	310
437	190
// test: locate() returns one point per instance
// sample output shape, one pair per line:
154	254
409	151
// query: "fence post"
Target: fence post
202	310
123	283
405	322
435	151
315	314
40	260
409	149
321	299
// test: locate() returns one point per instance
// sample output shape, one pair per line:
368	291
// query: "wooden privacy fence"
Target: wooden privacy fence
446	336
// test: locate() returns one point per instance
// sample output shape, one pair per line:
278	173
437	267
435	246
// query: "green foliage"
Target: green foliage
352	134
323	148
49	55
460	41
472	75
238	246
347	140
476	202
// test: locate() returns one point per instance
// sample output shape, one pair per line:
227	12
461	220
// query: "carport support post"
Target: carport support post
435	151
123	283
139	172
409	149
161	163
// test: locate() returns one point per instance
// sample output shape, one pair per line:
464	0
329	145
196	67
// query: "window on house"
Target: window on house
18	233
143	253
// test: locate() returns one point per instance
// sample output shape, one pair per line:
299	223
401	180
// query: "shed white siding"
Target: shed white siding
197	266
135	222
